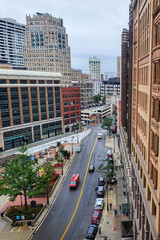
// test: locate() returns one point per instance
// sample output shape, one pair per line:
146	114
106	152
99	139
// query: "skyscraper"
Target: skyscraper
46	46
11	42
94	69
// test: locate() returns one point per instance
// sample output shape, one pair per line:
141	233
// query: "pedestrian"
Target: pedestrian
115	212
99	230
110	205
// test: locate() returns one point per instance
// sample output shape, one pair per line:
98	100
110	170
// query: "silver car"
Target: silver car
99	205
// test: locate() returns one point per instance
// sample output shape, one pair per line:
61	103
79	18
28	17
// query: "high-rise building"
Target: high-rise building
118	66
124	77
46	46
94	69
146	119
11	42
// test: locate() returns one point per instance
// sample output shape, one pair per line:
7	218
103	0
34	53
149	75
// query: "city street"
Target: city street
61	213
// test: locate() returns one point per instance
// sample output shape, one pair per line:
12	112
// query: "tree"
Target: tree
97	98
107	123
21	177
109	170
47	177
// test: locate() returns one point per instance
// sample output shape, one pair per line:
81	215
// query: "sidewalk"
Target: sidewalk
25	232
111	224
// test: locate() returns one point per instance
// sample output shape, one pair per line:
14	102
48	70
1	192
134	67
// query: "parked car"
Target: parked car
91	168
92	231
96	217
99	205
100	191
79	149
99	136
101	181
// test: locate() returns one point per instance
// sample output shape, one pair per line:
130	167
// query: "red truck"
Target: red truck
74	181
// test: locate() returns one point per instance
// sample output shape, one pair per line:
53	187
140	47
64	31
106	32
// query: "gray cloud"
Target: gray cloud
94	26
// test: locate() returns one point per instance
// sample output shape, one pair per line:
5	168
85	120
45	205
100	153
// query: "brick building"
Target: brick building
71	108
146	119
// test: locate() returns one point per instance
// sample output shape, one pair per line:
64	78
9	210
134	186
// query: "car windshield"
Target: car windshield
96	214
73	182
91	167
90	230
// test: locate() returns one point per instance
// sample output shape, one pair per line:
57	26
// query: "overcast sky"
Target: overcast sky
94	27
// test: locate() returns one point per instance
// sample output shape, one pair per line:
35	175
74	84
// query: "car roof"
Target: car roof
100	187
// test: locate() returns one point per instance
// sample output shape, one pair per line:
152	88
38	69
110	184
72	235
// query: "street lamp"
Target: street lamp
72	144
77	137
107	198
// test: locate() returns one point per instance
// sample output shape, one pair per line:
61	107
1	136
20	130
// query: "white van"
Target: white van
99	136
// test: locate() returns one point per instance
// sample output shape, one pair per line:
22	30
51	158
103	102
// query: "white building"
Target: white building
103	112
94	69
11	42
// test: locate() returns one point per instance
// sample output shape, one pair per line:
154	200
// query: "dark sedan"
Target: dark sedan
92	231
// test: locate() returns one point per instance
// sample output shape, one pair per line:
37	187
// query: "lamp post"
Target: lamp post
77	137
107	198
62	163
72	144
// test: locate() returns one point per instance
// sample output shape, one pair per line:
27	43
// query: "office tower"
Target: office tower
146	119
11	42
30	106
46	46
124	77
94	69
119	67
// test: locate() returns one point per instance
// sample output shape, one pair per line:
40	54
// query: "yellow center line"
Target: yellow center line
80	193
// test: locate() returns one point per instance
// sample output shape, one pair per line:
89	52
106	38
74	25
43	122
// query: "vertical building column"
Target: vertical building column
32	131
41	131
20	102
10	104
39	103
54	102
1	141
30	103
46	97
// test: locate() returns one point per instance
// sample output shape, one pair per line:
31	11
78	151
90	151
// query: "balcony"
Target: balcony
155	126
154	159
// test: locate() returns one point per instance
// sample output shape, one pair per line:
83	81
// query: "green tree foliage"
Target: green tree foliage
97	98
108	169
47	177
21	177
107	123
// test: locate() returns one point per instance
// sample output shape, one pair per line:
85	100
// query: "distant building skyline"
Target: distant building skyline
94	69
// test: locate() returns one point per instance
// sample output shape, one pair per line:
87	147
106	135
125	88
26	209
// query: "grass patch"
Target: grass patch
14	211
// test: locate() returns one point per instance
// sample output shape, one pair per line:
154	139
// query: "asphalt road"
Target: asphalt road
60	214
